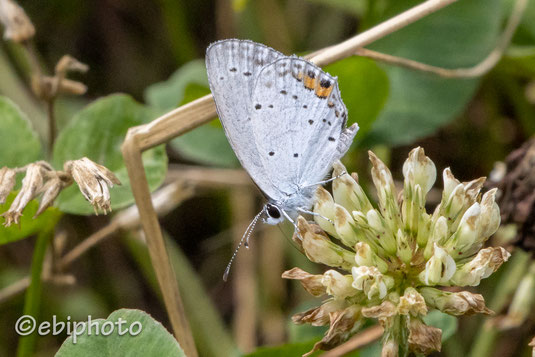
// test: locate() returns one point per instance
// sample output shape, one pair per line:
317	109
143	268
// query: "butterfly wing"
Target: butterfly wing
299	107
232	67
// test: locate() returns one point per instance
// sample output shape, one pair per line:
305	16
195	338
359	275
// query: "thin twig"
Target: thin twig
347	48
471	72
362	339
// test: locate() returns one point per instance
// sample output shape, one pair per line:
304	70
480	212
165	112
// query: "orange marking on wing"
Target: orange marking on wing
310	82
323	92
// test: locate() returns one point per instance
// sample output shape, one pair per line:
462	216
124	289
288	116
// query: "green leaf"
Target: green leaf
364	88
153	340
459	35
206	144
98	132
28	225
168	94
19	143
447	323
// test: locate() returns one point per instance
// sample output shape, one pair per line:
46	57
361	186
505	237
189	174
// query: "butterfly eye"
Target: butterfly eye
273	211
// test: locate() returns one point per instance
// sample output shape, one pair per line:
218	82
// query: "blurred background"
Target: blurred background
154	51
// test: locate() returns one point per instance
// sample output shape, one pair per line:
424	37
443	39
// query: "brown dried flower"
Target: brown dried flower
93	180
17	25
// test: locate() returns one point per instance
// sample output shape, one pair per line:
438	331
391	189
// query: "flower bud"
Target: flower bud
365	256
467	232
450	183
312	283
460	303
386	191
7	182
338	285
439	236
423	339
490	215
17	25
412	303
404	248
93	180
347	192
319	248
486	262
384	236
345	226
439	269
418	169
324	206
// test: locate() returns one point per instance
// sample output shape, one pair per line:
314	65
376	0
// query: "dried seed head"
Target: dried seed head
7	182
31	186
93	180
17	25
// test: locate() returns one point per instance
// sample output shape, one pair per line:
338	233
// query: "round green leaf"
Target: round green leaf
19	143
460	35
153	340
97	132
364	88
168	94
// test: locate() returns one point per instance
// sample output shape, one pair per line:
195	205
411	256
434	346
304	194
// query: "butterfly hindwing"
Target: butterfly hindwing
233	66
298	106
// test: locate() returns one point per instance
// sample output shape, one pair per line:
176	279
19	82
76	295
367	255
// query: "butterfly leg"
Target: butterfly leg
316	214
296	229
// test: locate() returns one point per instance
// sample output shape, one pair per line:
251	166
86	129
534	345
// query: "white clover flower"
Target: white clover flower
398	254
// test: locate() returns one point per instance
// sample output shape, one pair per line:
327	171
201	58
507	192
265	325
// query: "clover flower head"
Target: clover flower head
397	257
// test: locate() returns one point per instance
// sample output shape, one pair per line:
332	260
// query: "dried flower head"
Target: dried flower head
516	196
397	256
17	25
93	180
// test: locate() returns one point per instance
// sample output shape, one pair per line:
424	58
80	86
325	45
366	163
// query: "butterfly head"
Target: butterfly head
273	214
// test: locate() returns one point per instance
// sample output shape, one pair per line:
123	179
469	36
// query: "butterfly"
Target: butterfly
284	118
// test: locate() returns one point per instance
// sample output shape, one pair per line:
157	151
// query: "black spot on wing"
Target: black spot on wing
325	83
258	106
311	121
247	74
331	138
283	92
233	69
271	153
305	106
296	155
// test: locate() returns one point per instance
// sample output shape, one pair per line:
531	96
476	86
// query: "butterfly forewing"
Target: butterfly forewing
233	66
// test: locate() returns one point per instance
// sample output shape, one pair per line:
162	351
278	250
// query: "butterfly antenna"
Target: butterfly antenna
244	239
